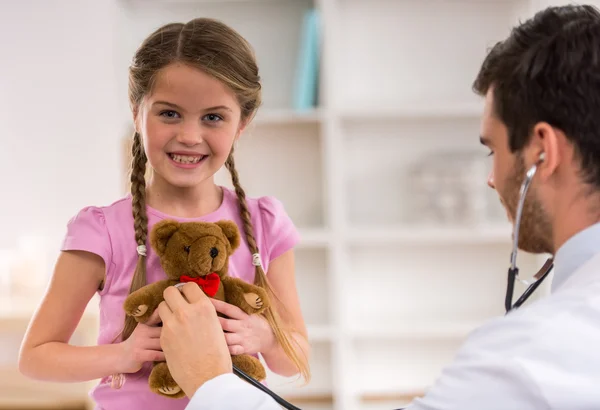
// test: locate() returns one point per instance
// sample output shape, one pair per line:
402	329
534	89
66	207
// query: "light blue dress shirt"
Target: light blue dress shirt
574	253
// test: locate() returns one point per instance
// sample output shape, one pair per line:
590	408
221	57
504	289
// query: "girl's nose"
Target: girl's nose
190	135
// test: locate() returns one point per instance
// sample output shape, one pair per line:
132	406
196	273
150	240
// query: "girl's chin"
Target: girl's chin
177	180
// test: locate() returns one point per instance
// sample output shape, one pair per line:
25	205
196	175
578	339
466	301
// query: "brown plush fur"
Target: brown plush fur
196	249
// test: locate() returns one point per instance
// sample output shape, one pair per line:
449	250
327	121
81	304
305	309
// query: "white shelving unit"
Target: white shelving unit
388	300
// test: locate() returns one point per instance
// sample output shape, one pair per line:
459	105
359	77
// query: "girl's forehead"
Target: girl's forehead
183	85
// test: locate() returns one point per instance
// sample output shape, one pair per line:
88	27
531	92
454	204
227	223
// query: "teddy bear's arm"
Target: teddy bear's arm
143	302
248	297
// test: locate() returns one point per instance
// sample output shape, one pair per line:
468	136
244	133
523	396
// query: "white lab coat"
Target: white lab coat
542	356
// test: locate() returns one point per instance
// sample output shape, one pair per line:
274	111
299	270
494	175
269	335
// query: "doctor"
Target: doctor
542	107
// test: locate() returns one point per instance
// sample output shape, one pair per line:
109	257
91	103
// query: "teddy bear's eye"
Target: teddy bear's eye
187	248
214	252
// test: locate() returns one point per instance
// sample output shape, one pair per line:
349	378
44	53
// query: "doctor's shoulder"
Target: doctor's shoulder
545	345
540	356
529	326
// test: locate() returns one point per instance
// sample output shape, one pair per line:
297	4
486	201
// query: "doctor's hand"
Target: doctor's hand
192	339
245	334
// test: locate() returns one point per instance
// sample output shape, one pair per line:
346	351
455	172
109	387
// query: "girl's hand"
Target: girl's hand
245	334
142	346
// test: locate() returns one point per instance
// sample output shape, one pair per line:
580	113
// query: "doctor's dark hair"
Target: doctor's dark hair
548	70
216	49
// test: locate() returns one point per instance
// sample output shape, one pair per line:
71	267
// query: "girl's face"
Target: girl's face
188	125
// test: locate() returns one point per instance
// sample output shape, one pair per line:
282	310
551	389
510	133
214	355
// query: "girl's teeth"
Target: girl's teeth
185	159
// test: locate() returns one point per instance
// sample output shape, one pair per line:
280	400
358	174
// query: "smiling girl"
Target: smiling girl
193	88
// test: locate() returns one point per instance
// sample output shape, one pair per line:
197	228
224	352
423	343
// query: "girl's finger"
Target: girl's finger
154	319
229	325
233	339
153	332
228	310
152	344
153	356
236	350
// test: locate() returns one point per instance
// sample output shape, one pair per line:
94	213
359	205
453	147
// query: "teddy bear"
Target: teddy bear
197	252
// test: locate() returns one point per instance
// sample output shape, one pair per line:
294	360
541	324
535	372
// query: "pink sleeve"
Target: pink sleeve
87	231
279	232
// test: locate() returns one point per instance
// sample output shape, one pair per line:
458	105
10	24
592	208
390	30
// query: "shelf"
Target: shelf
406	173
428	235
386	400
287	117
413	331
429	110
312	402
397	396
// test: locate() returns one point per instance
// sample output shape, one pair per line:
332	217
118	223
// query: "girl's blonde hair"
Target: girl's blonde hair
218	50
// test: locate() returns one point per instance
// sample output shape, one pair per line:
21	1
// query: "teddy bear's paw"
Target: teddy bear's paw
161	382
140	310
254	300
169	390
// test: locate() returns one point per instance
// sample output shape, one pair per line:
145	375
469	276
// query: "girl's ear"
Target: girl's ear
242	128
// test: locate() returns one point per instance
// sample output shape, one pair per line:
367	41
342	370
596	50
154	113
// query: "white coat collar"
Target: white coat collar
574	254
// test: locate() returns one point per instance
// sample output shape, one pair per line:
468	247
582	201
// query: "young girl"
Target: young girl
193	89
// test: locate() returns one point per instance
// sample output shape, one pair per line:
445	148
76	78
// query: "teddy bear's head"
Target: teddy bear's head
194	248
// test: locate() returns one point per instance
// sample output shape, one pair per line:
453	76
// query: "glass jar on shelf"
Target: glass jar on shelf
450	188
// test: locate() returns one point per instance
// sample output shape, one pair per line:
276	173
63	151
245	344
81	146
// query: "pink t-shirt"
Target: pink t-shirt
108	231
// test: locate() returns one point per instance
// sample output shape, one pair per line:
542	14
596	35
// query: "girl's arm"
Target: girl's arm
282	280
45	353
250	334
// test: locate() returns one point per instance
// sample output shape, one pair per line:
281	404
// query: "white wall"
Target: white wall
58	126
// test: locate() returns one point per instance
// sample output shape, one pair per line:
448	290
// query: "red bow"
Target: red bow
209	283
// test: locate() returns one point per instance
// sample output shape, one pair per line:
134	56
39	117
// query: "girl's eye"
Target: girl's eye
169	114
490	154
213	117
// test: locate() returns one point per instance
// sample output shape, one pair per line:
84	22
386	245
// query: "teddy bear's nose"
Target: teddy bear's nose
214	252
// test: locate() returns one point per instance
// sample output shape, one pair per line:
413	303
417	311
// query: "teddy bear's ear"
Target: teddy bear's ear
161	233
232	233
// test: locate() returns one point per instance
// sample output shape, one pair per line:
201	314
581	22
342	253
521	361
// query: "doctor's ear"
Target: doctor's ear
545	144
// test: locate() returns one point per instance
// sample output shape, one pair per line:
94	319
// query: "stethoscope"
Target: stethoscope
513	270
513	275
282	402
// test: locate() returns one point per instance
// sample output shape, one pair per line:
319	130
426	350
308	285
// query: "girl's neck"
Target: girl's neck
190	202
